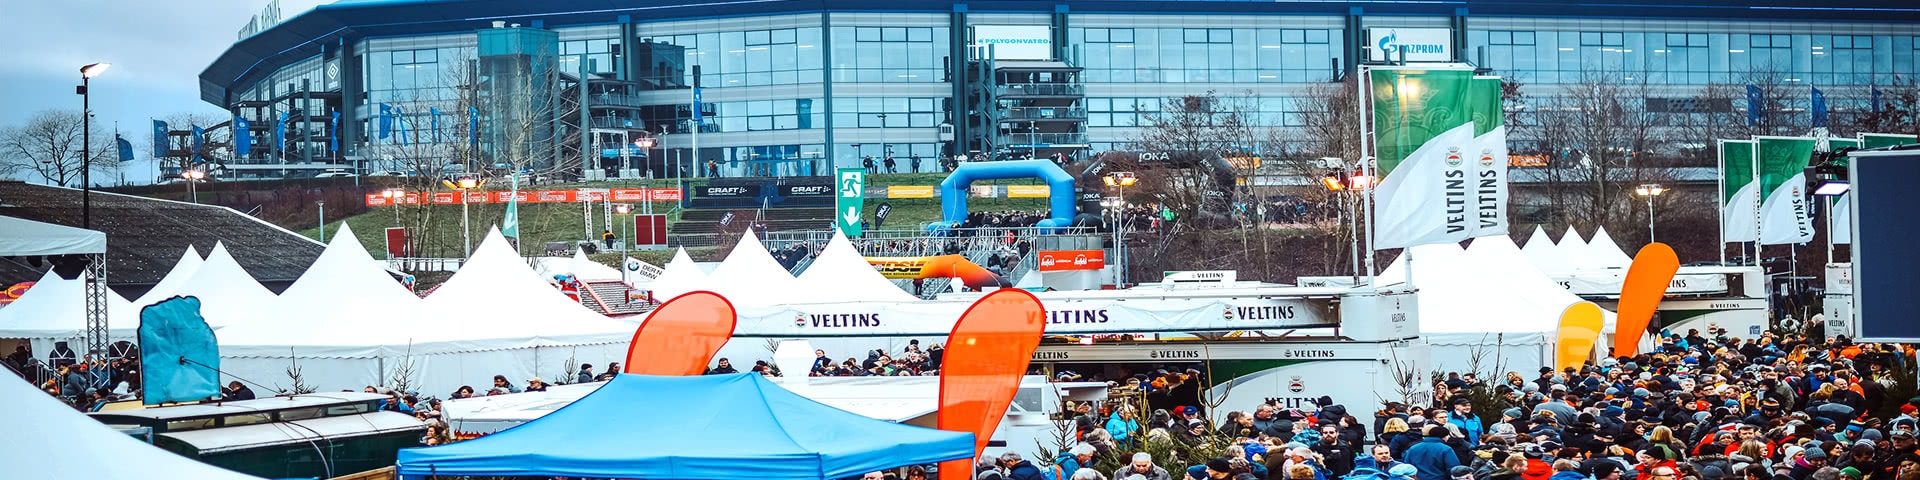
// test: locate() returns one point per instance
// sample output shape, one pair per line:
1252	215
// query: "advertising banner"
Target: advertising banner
806	191
1877	140
629	194
556	196
1490	155
1016	42
939	266
1610	283
910	191
1064	317
1027	191
1784	218
1739	193
731	191
376	200
1423	134
445	198
1063	260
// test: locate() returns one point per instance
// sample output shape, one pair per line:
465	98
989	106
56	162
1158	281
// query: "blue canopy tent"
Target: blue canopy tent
692	428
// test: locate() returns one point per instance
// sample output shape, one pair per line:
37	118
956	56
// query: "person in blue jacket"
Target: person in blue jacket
1019	468
1432	456
1123	425
1464	418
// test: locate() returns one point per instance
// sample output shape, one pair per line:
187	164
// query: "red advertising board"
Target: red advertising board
528	196
650	229
397	242
1062	260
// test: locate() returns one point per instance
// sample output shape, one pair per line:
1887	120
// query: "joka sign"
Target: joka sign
1061	260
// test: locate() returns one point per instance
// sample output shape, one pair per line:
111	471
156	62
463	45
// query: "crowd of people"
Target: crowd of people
1696	407
911	361
81	381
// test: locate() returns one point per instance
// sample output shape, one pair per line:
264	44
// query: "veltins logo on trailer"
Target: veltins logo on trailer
1419	44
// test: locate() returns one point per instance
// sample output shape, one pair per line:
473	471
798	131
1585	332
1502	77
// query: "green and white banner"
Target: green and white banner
1490	155
1739	193
1840	217
1835	144
1423	136
1784	218
1877	140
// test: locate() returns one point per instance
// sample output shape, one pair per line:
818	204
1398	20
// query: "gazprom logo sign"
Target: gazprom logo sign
1418	44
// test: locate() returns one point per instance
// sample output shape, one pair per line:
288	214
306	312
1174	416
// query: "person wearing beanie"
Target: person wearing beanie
1860	457
1468	423
1432	456
1812	461
1142	466
1403	472
1465	473
1850	473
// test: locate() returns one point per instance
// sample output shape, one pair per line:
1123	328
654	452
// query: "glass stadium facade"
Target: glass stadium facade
794	87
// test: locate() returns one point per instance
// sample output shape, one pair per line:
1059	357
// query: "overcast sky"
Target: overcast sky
157	50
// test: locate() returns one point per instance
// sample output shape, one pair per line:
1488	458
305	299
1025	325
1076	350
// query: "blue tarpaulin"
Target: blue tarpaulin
692	428
178	352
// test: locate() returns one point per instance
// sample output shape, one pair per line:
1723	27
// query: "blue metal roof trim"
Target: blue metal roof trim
301	36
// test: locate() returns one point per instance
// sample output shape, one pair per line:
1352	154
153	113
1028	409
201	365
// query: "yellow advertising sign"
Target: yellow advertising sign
910	191
1027	191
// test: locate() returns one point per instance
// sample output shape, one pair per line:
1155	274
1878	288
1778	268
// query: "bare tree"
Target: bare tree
1601	141
49	146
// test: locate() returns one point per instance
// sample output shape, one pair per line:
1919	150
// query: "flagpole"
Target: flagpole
1720	149
1366	165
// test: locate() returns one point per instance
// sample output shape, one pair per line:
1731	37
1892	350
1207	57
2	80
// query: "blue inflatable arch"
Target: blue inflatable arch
953	191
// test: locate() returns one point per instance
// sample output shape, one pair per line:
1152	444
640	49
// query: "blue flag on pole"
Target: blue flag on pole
696	108
242	137
386	120
401	115
1819	108
280	132
333	134
126	148
1876	99
434	127
159	139
473	128
199	140
1755	102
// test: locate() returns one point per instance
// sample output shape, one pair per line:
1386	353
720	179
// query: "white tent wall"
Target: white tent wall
1605	252
20	237
54	441
1490	354
228	294
429	373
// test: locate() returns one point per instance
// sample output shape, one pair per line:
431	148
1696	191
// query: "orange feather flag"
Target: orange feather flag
1647	280
682	335
1580	327
986	355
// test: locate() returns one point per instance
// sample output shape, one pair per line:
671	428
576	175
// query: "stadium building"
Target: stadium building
785	87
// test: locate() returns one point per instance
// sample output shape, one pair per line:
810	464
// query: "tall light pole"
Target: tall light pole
86	141
1649	190
467	184
1120	181
193	176
393	200
626	225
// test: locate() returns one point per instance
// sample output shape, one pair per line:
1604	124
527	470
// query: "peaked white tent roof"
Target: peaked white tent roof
841	274
228	294
583	268
750	276
1603	251
1519	276
1460	296
1544	255
21	237
496	295
55	308
344	290
182	270
67	444
681	275
1574	248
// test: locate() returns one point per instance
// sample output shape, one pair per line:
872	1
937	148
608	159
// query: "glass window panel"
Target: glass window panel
920	34
1500	38
1121	35
1317	36
1098	35
920	105
1220	35
784	35
403	57
921	120
1523	38
1196	35
1589	38
893	34
1611	38
1293	36
868	34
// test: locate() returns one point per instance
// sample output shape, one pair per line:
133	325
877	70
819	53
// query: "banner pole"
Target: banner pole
1361	88
1720	151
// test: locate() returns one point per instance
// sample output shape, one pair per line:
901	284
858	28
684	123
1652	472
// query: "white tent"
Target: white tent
228	294
1603	251
1573	248
841	274
751	277
1469	315
54	310
494	317
23	238
183	269
681	275
585	269
67	444
1544	255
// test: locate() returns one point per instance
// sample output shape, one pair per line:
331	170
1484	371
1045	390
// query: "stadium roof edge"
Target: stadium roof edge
306	34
